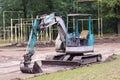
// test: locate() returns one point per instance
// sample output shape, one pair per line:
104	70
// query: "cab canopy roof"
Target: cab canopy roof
78	15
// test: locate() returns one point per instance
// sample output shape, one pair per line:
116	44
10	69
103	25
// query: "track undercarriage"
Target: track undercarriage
71	59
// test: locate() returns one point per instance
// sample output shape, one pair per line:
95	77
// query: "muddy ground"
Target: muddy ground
11	56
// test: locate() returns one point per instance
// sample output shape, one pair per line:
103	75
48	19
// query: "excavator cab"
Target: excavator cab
79	41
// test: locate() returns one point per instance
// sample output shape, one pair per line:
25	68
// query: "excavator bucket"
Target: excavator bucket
31	68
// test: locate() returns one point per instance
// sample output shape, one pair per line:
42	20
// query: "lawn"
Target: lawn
102	71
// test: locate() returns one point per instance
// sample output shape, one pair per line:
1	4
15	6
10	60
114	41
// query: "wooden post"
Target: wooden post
21	27
11	30
15	33
50	34
101	28
46	33
82	24
98	27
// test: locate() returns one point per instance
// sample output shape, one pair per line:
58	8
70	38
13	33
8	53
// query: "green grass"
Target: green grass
103	71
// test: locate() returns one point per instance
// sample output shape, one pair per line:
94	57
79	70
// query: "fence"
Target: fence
19	32
20	29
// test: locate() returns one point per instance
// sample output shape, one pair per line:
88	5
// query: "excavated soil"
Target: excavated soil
10	57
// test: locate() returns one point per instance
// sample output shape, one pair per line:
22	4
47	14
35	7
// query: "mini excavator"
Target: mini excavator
75	45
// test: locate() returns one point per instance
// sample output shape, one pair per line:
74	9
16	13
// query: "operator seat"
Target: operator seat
83	37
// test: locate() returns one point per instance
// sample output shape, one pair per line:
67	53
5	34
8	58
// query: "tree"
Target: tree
112	10
24	2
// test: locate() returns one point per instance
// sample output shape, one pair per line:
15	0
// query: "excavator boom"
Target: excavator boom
39	24
26	66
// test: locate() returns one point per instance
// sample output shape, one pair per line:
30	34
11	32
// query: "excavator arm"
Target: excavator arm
40	24
31	42
26	66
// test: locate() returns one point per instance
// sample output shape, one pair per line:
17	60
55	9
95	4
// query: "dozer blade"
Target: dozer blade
31	68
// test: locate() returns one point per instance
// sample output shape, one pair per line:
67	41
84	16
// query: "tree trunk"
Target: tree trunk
24	8
118	26
50	5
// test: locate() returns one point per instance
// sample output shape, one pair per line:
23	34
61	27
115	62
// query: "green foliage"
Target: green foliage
108	28
38	7
111	13
11	4
110	9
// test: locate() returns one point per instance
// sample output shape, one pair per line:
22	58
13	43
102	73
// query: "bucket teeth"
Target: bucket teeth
30	68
